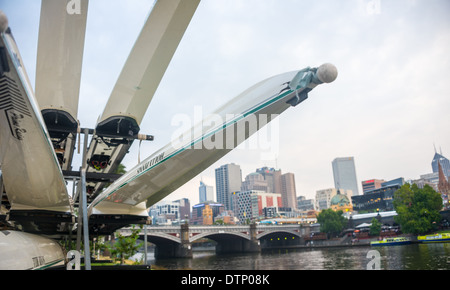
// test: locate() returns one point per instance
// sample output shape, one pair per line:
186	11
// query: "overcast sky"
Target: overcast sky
388	106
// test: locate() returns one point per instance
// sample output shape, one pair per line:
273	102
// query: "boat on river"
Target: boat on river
391	241
435	238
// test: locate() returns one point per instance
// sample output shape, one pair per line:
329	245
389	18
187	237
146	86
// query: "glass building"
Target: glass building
228	180
445	163
205	192
380	199
344	174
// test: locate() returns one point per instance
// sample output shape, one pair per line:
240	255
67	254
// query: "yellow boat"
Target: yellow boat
391	242
436	238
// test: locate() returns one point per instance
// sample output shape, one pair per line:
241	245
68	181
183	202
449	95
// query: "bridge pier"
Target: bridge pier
233	245
170	250
176	250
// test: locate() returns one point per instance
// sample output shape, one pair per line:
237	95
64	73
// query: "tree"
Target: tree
331	222
375	228
125	247
417	208
121	169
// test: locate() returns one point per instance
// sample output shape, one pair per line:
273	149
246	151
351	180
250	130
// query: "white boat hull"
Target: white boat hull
175	164
23	251
31	173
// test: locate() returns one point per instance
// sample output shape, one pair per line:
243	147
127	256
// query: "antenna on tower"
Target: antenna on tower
434	145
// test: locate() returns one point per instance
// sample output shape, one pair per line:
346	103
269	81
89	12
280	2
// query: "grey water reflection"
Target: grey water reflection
406	257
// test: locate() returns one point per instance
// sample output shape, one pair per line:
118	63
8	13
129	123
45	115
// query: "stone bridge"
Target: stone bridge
176	241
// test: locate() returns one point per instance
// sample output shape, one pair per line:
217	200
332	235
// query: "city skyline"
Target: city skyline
255	186
312	195
387	108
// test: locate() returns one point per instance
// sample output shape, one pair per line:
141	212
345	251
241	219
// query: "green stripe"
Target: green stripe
251	111
48	265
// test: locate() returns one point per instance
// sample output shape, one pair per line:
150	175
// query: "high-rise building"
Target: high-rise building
288	192
380	199
205	192
228	180
371	184
344	174
273	178
184	208
165	212
250	204
431	179
273	181
445	163
443	185
254	181
304	204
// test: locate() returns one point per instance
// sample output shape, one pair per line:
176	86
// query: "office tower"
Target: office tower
443	185
205	192
228	180
380	199
288	192
165	212
304	204
323	198
443	161
273	178
254	181
250	204
344	173
184	208
371	184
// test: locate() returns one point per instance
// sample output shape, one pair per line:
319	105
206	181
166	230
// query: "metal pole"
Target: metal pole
79	220
87	254
145	244
83	205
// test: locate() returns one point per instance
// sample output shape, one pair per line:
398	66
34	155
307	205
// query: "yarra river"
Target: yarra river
404	257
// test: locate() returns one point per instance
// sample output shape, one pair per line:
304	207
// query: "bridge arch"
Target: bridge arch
158	237
277	231
275	238
219	236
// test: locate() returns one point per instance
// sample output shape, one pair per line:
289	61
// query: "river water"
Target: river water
405	257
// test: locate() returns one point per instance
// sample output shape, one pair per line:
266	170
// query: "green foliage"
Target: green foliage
417	209
121	169
125	247
375	228
331	222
